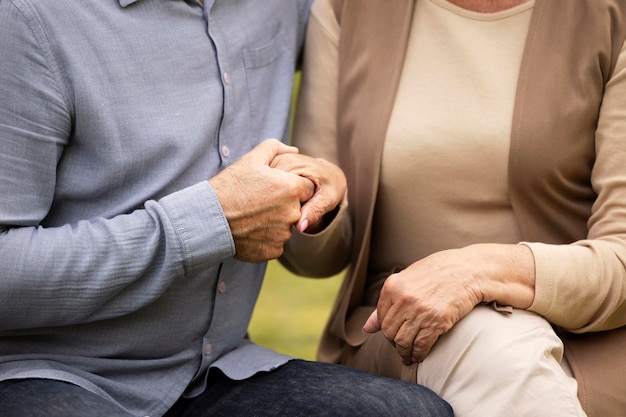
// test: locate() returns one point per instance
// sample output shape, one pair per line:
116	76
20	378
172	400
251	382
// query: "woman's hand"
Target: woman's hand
330	187
428	298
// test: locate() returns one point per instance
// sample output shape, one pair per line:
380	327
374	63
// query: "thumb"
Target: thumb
372	325
314	209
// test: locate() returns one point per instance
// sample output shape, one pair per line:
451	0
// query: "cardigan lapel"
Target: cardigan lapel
371	55
554	123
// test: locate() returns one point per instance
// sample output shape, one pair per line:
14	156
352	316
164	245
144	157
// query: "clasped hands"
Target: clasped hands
270	189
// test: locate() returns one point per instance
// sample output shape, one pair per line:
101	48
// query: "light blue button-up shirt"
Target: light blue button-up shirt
116	260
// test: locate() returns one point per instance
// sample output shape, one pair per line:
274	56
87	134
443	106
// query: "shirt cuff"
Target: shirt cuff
200	225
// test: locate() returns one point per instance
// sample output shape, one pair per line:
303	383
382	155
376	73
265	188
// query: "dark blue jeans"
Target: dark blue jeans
299	388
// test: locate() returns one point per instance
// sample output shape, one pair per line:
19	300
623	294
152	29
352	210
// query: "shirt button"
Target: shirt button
208	349
225	151
226	78
221	288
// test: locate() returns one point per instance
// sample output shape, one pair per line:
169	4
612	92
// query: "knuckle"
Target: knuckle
402	344
283	237
391	283
291	217
275	253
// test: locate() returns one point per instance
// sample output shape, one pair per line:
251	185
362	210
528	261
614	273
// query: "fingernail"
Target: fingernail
303	225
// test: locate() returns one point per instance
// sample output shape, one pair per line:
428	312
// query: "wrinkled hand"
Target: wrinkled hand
261	203
330	186
425	300
422	302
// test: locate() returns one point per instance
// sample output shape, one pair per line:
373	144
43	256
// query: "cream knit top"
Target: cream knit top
444	170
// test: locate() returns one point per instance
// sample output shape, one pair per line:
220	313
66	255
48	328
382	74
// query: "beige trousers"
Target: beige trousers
491	364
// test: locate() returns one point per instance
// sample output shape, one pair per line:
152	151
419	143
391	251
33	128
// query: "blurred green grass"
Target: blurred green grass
291	311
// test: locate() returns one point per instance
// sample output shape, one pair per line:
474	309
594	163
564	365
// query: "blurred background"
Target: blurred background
292	311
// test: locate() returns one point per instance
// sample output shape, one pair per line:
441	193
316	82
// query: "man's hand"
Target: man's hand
261	203
330	187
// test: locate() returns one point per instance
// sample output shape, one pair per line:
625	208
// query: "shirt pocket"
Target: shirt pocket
265	54
267	67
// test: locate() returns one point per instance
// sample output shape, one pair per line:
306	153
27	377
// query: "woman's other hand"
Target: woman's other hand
428	298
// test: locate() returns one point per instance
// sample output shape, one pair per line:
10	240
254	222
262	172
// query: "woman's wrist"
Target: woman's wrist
504	273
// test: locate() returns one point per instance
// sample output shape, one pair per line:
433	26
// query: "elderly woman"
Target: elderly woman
484	142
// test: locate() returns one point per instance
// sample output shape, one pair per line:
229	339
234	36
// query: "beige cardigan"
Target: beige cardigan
567	186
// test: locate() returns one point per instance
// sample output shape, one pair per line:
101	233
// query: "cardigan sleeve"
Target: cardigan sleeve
315	133
582	287
315	124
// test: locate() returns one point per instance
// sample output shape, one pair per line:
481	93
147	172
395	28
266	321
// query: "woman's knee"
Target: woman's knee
494	363
492	344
